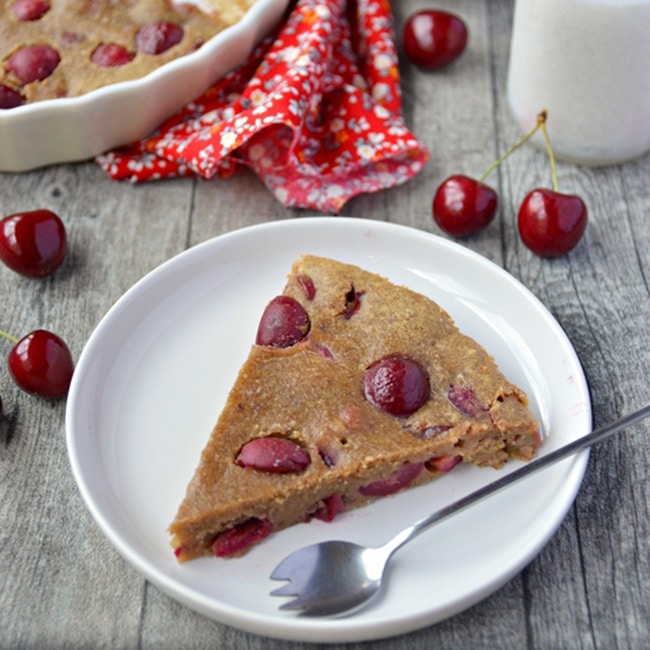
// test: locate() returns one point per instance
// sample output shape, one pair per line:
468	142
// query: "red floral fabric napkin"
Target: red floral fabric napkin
315	112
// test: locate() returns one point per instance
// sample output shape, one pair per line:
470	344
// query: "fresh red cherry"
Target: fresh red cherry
33	243
434	38
462	205
41	363
551	223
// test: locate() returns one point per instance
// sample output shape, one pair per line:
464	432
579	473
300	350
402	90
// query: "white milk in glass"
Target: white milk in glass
588	63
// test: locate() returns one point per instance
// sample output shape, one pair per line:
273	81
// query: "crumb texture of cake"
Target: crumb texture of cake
354	389
66	48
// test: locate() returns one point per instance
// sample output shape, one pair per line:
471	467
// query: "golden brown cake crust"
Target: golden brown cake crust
312	393
76	27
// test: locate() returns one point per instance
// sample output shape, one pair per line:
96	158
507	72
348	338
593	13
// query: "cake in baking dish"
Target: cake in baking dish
66	48
354	389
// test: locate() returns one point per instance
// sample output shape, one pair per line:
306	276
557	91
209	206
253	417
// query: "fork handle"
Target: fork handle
552	457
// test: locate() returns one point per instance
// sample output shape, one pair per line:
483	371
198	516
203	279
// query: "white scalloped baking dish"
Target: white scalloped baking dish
78	128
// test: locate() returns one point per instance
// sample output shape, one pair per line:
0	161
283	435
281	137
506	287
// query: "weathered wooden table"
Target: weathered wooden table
62	583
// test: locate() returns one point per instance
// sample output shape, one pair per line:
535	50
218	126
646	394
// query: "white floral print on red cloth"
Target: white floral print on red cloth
315	112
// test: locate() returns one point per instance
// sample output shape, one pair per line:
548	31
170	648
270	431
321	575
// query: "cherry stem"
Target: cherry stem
541	122
13	339
551	157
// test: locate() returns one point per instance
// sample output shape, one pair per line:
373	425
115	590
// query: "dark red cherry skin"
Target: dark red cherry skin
237	539
433	39
111	55
307	286
551	223
283	323
26	10
10	98
33	63
157	38
332	506
464	399
41	363
271	454
33	243
396	385
402	477
462	205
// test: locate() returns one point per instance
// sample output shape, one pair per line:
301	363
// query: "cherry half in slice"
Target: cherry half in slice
402	477
396	385
283	323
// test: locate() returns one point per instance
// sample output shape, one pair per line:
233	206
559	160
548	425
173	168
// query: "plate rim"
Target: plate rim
302	629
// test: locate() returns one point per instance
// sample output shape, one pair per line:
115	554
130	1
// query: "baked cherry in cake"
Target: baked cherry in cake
111	55
33	63
25	10
10	98
354	389
158	37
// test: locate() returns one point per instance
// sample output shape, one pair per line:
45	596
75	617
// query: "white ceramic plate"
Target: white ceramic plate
154	375
77	128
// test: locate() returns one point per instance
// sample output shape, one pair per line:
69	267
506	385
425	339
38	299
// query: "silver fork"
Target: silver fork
334	578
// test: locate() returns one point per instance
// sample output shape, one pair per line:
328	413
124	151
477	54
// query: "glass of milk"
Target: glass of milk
588	63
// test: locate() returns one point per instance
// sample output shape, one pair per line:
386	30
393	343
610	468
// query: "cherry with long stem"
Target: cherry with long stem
551	223
463	205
